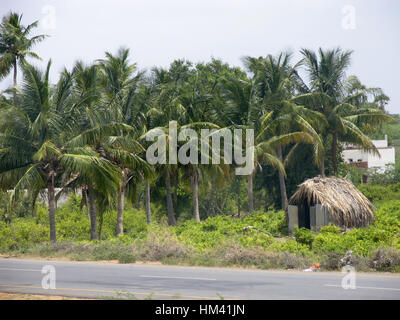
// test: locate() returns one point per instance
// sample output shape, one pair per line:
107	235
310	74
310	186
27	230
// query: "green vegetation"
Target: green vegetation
216	241
392	130
86	134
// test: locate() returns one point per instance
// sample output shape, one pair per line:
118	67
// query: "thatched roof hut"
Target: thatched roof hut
345	204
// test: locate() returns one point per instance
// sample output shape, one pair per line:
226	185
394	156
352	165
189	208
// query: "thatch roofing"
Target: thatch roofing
347	206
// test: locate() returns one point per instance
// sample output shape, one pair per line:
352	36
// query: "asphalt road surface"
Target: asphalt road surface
106	280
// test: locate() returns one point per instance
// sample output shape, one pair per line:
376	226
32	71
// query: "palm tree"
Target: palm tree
197	97
34	138
264	104
89	114
145	101
244	109
103	115
327	94
120	87
166	107
15	44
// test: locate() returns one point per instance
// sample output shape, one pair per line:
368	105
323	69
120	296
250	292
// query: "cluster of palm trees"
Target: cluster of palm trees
88	130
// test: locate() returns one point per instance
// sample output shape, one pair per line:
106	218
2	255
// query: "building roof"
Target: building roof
347	206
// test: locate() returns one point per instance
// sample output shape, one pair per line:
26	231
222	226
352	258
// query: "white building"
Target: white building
367	160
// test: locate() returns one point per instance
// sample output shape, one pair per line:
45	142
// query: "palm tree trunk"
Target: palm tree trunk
282	184
120	206
86	200
334	153
120	211
15	82
52	208
101	220
147	200
323	166
93	214
170	206
176	187
195	189
250	192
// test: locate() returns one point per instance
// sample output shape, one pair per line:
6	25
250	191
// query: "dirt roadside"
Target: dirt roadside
25	296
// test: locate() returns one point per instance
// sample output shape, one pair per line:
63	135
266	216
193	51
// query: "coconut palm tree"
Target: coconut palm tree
243	108
89	115
278	81
34	142
144	101
165	108
103	116
120	87
15	44
327	95
264	105
197	97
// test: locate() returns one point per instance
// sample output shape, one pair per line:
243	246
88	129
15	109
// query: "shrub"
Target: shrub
385	259
387	217
161	244
126	257
331	260
288	260
21	233
330	229
237	255
215	231
341	243
135	223
375	192
304	236
6	239
291	246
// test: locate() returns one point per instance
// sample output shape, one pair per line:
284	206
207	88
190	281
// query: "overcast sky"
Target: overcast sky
159	31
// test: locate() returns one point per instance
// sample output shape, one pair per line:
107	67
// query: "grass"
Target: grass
218	241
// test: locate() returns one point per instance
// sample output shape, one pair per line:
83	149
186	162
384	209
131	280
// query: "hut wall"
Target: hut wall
319	215
293	217
313	217
322	216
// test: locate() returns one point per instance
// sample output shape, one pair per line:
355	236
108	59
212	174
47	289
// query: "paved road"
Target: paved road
95	280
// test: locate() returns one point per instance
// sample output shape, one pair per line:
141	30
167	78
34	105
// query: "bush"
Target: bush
331	260
21	233
259	257
354	240
127	257
387	217
330	229
304	236
135	223
385	259
376	193
161	244
215	231
237	255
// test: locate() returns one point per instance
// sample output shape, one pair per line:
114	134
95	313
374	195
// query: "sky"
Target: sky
159	31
